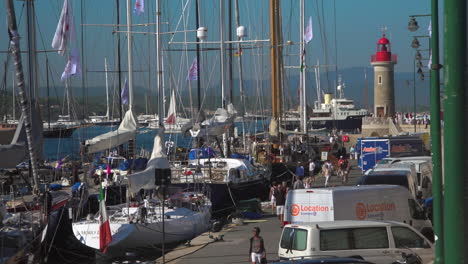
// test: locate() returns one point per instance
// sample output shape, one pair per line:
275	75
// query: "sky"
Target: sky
358	27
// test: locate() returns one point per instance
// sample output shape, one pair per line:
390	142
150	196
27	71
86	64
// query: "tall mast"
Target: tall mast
107	90
197	25
275	78
130	55
48	93
25	104
158	66
222	57
303	71
14	93
239	66
32	58
83	77
119	66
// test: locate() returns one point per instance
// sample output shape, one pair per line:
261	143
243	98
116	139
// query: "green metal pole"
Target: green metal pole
454	130
437	193
414	94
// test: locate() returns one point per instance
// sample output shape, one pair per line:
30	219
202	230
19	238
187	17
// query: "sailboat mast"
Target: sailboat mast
119	66
25	105
221	46
158	66
241	83
275	71
303	70
48	93
197	25
130	55
107	90
14	94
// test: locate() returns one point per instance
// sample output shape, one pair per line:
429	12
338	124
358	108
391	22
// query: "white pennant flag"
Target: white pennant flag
429	28
65	31
139	7
72	67
430	62
308	34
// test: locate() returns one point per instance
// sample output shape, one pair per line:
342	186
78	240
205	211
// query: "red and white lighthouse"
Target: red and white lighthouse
383	62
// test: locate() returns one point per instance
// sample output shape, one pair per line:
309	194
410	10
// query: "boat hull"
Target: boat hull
138	237
59	132
223	196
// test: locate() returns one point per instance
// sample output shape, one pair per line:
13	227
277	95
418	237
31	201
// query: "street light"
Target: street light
418	56
415	43
413	25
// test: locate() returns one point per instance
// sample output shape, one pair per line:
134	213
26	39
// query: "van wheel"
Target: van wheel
429	234
356	257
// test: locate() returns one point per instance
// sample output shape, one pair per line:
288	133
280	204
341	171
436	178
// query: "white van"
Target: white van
368	202
380	242
423	168
403	174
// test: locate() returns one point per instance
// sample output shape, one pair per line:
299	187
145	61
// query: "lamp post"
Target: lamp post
435	130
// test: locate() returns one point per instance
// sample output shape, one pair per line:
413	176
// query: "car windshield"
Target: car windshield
393	179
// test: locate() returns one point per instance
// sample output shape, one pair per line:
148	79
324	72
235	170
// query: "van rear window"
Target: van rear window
372	179
294	239
353	238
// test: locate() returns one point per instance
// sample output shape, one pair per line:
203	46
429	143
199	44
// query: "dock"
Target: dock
231	245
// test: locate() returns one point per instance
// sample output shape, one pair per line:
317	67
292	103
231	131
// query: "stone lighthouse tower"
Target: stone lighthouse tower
383	62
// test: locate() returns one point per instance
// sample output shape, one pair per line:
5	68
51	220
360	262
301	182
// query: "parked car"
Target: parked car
381	242
325	261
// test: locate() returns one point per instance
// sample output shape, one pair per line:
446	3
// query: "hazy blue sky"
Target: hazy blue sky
358	25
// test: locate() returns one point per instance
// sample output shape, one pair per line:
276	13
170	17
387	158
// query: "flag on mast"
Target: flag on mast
124	94
308	34
193	71
73	66
171	114
139	7
65	31
429	28
105	236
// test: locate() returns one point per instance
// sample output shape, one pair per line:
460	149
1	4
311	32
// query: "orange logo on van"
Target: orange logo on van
295	210
369	210
361	211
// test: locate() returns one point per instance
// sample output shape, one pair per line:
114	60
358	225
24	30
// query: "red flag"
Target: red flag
105	236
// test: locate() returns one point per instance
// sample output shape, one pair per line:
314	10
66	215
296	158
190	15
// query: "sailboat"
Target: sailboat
173	123
106	119
152	222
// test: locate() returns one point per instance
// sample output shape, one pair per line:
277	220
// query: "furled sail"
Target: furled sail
16	151
221	121
146	179
125	132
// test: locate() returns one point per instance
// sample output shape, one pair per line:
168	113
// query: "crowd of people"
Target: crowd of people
304	178
410	118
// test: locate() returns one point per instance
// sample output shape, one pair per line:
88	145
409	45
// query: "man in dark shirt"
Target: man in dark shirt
257	250
280	196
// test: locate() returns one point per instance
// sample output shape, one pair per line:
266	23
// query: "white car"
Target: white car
380	242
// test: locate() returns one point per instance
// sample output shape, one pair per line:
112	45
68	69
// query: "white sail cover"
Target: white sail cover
125	132
17	151
145	179
220	123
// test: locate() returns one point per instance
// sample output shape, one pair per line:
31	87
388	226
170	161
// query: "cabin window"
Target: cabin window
380	79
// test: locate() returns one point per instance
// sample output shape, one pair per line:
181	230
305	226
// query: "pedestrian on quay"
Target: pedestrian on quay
307	184
343	169
351	152
298	184
272	197
312	170
326	173
299	170
280	197
257	252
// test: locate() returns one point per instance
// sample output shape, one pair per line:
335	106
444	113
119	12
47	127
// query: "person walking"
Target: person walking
343	169
298	184
326	173
312	170
272	197
280	197
257	252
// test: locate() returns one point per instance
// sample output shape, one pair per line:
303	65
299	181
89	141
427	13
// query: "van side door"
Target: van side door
370	243
407	240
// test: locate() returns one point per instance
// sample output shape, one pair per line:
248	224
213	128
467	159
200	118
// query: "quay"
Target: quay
231	245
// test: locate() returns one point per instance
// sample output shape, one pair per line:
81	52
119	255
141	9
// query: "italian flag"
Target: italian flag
105	236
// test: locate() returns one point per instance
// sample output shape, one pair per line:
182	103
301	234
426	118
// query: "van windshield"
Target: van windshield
294	239
393	179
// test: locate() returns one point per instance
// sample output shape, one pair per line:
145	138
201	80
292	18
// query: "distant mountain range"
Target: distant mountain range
352	77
